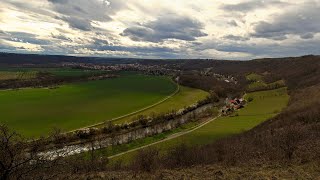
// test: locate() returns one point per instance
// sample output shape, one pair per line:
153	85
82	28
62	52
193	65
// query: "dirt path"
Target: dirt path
173	136
132	113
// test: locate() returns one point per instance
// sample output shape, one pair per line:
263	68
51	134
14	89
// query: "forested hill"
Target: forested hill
18	59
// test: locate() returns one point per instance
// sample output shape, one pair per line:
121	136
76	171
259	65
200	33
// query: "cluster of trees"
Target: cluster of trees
140	121
290	138
296	71
46	79
221	89
156	71
22	159
270	86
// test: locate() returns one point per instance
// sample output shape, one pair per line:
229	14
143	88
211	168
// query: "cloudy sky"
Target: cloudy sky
228	29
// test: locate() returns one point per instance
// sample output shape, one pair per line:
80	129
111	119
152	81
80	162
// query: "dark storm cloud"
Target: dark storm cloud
78	23
166	27
302	21
80	14
233	23
58	1
100	42
2	33
104	45
5	48
23	37
30	8
60	37
236	38
304	47
307	36
136	49
89	9
252	5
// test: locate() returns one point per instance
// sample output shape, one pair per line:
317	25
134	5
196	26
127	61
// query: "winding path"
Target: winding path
173	136
132	113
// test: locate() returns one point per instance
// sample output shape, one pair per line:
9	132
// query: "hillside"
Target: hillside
288	142
13	59
159	89
262	140
289	139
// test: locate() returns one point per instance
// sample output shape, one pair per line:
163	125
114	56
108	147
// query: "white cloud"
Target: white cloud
230	29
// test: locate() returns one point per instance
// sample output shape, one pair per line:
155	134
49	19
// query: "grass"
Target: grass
14	72
8	75
265	105
185	97
34	112
67	72
109	151
254	77
258	83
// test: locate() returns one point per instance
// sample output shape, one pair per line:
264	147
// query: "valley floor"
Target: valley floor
265	104
36	112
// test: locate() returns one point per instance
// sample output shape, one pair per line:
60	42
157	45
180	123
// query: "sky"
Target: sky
177	29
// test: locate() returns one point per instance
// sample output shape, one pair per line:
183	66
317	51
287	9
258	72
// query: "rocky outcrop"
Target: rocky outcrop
127	137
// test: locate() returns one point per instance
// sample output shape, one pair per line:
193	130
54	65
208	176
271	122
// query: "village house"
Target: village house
232	104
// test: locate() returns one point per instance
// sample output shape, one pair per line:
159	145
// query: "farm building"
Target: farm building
232	105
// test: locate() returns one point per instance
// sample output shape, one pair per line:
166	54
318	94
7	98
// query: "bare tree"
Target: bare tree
147	160
21	159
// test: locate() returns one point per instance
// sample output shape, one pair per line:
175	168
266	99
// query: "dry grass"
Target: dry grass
308	171
7	75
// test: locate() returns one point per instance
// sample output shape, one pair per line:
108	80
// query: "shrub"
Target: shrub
83	134
214	97
147	160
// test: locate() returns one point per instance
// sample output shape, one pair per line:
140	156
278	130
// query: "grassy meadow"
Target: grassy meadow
68	72
265	104
185	97
25	73
34	112
9	75
258	83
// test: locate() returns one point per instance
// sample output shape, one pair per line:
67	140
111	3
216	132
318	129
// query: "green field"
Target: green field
8	75
254	77
34	112
265	105
185	97
68	72
25	73
258	83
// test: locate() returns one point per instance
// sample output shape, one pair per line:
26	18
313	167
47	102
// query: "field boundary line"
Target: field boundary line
173	136
132	113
